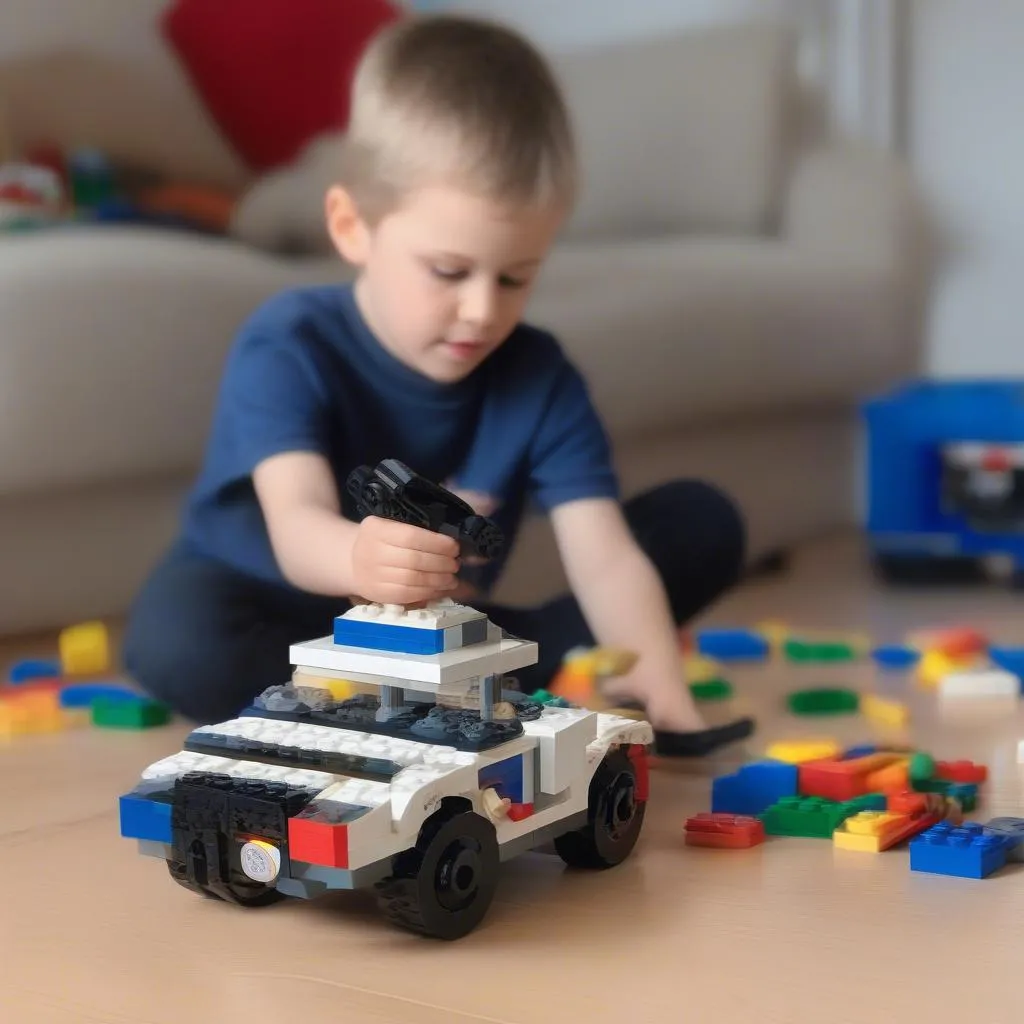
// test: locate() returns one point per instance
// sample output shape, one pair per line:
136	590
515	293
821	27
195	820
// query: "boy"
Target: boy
457	173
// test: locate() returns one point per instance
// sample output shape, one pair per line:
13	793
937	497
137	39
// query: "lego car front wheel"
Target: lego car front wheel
252	894
615	816
444	886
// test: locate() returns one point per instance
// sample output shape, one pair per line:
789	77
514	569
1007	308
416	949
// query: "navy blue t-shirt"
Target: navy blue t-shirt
307	374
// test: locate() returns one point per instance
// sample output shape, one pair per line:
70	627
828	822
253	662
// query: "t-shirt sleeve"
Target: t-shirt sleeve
272	401
570	457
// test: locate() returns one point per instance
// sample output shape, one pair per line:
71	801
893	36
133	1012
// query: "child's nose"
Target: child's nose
478	303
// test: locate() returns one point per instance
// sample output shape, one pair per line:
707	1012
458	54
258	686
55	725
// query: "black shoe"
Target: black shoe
704	742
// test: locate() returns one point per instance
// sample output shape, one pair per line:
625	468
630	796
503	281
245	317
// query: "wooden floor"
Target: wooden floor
793	931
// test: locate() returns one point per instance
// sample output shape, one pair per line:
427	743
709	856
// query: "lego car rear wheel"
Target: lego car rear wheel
615	817
443	887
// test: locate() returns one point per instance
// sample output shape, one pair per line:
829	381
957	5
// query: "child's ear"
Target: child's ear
349	232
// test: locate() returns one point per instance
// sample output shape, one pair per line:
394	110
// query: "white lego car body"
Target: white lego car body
419	793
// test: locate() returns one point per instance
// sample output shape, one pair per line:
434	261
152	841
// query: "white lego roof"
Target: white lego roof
388	668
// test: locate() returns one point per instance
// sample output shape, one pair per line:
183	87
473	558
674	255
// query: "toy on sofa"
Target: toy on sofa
945	478
419	789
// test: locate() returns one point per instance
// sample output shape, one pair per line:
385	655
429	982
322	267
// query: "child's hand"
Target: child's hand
396	563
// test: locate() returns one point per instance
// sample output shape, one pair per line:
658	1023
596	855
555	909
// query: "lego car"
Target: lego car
398	757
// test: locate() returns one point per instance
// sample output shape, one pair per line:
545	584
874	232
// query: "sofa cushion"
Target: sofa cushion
683	133
274	73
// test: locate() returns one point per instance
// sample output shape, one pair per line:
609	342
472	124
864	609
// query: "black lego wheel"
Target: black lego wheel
253	894
484	537
615	817
444	886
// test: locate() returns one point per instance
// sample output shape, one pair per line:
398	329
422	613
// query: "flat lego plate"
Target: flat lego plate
389	669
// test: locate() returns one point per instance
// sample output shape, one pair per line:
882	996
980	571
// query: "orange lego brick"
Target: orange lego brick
892	778
724	831
842	780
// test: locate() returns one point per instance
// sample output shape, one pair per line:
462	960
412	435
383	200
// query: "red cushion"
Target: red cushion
273	73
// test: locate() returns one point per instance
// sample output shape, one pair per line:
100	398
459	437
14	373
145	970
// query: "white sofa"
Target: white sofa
731	286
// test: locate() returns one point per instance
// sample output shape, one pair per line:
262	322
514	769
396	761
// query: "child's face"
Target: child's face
444	277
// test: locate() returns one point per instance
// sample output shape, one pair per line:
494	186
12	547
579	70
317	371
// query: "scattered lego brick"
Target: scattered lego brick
891	778
84	649
1012	829
698	669
1009	659
119	713
711	690
823	700
979	683
884	711
922	767
32	669
82	695
813	817
774	631
875	831
961	771
841	780
965	851
956	642
798	751
724	831
805	651
934	665
895	657
732	645
753	788
33	712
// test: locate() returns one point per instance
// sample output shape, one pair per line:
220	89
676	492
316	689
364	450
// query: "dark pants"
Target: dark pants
205	639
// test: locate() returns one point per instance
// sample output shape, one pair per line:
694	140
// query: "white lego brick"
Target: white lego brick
416	792
185	761
324	738
390	668
981	683
562	735
437	615
358	792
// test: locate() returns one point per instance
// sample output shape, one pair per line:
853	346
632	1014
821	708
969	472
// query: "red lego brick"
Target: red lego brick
724	831
841	780
638	755
961	771
318	842
516	812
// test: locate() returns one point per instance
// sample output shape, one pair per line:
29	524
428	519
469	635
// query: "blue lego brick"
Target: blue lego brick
29	669
145	818
387	637
895	656
1012	831
1010	659
506	777
81	695
732	644
754	788
906	431
966	851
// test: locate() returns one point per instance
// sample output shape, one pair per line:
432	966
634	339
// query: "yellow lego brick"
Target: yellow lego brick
798	751
934	665
84	649
866	831
339	689
775	632
884	711
697	668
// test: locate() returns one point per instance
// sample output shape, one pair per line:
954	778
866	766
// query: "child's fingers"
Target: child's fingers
415	538
411	560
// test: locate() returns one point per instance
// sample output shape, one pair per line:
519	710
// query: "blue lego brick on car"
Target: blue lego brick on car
387	637
506	777
895	656
31	668
754	788
81	695
908	511
144	818
966	851
732	644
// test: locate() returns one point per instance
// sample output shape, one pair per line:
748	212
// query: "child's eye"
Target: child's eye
449	273
511	282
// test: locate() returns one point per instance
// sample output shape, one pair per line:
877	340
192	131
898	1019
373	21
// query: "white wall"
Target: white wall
966	140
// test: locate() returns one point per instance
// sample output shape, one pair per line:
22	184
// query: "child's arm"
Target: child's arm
625	605
320	551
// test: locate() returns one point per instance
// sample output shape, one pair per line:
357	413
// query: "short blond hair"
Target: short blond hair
456	100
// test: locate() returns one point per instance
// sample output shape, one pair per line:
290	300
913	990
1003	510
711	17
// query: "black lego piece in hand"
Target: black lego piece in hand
391	490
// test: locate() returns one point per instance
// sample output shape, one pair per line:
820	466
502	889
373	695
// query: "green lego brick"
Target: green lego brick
824	700
711	689
921	768
111	713
815	817
828	651
965	795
